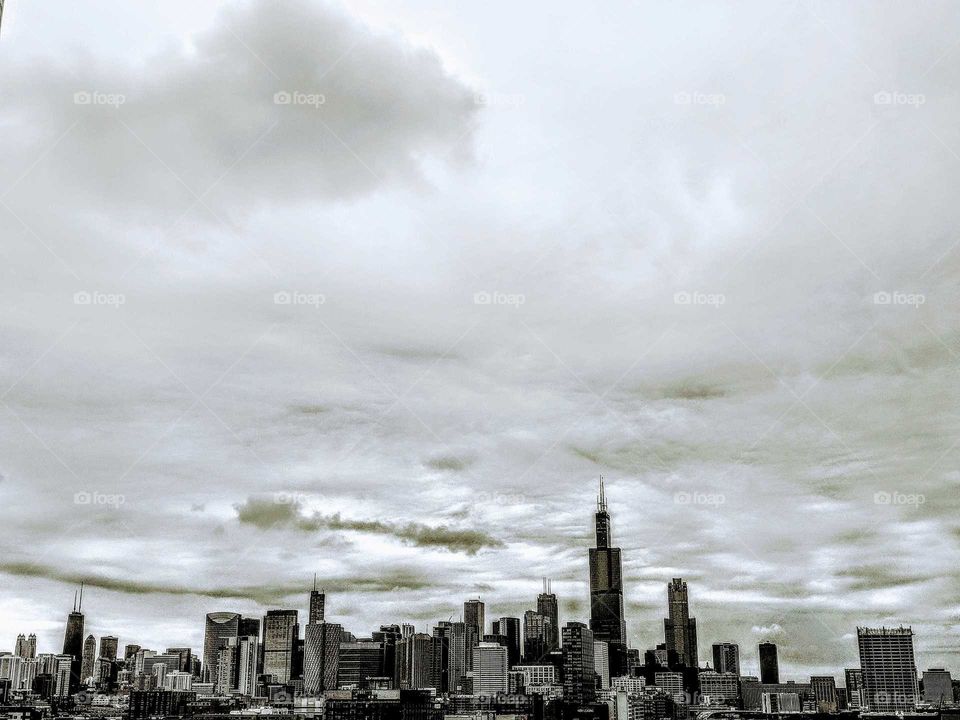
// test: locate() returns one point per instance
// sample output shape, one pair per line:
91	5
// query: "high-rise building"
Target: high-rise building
726	658
579	671
419	658
219	627
853	679
680	630
509	628
389	635
537	631
548	606
719	689
228	656
108	647
357	662
824	690
606	590
672	684
473	615
26	646
601	664
489	669
937	687
889	670
321	656
280	633
89	658
248	656
318	601
769	666
248	626
73	645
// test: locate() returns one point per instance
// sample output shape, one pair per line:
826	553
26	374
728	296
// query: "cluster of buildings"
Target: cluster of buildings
471	669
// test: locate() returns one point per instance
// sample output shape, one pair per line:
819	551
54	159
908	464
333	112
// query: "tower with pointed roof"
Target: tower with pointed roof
606	589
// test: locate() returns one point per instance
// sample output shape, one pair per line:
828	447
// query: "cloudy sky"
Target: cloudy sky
378	290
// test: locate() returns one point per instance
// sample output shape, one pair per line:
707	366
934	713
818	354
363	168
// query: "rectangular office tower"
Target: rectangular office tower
280	633
606	590
889	670
726	658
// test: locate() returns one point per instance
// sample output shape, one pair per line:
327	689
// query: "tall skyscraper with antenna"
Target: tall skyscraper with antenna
548	607
318	601
73	640
606	590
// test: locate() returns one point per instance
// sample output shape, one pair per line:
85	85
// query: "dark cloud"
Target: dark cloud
449	463
267	514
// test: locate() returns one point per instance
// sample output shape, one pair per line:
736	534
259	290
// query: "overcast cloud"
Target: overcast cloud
390	325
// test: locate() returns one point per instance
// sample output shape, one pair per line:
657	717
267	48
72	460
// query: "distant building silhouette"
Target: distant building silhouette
680	630
726	658
769	665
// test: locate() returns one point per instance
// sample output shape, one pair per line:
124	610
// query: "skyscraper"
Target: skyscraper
108	647
73	642
824	690
547	605
606	590
536	631
680	630
769	667
509	628
489	669
219	627
853	679
321	656
726	658
889	670
26	647
419	661
579	672
473	614
280	633
89	658
318	601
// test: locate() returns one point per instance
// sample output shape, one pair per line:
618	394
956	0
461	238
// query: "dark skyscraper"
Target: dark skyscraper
321	657
73	641
89	658
726	658
769	667
547	605
680	630
473	615
889	669
606	590
108	647
579	673
509	628
280	634
318	601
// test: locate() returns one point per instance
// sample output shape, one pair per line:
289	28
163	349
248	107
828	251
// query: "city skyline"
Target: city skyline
377	290
281	628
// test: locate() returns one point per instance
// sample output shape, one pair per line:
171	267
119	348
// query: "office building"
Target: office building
509	629
88	658
419	657
359	661
853	679
280	634
489	669
601	664
719	689
109	645
73	644
824	689
726	658
606	589
548	606
26	646
680	630
219	627
579	672
937	687
769	666
473	615
889	670
321	657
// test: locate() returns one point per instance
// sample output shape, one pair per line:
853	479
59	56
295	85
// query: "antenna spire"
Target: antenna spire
80	606
601	499
314	582
74	600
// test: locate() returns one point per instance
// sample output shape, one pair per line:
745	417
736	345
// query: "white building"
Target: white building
489	669
601	662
